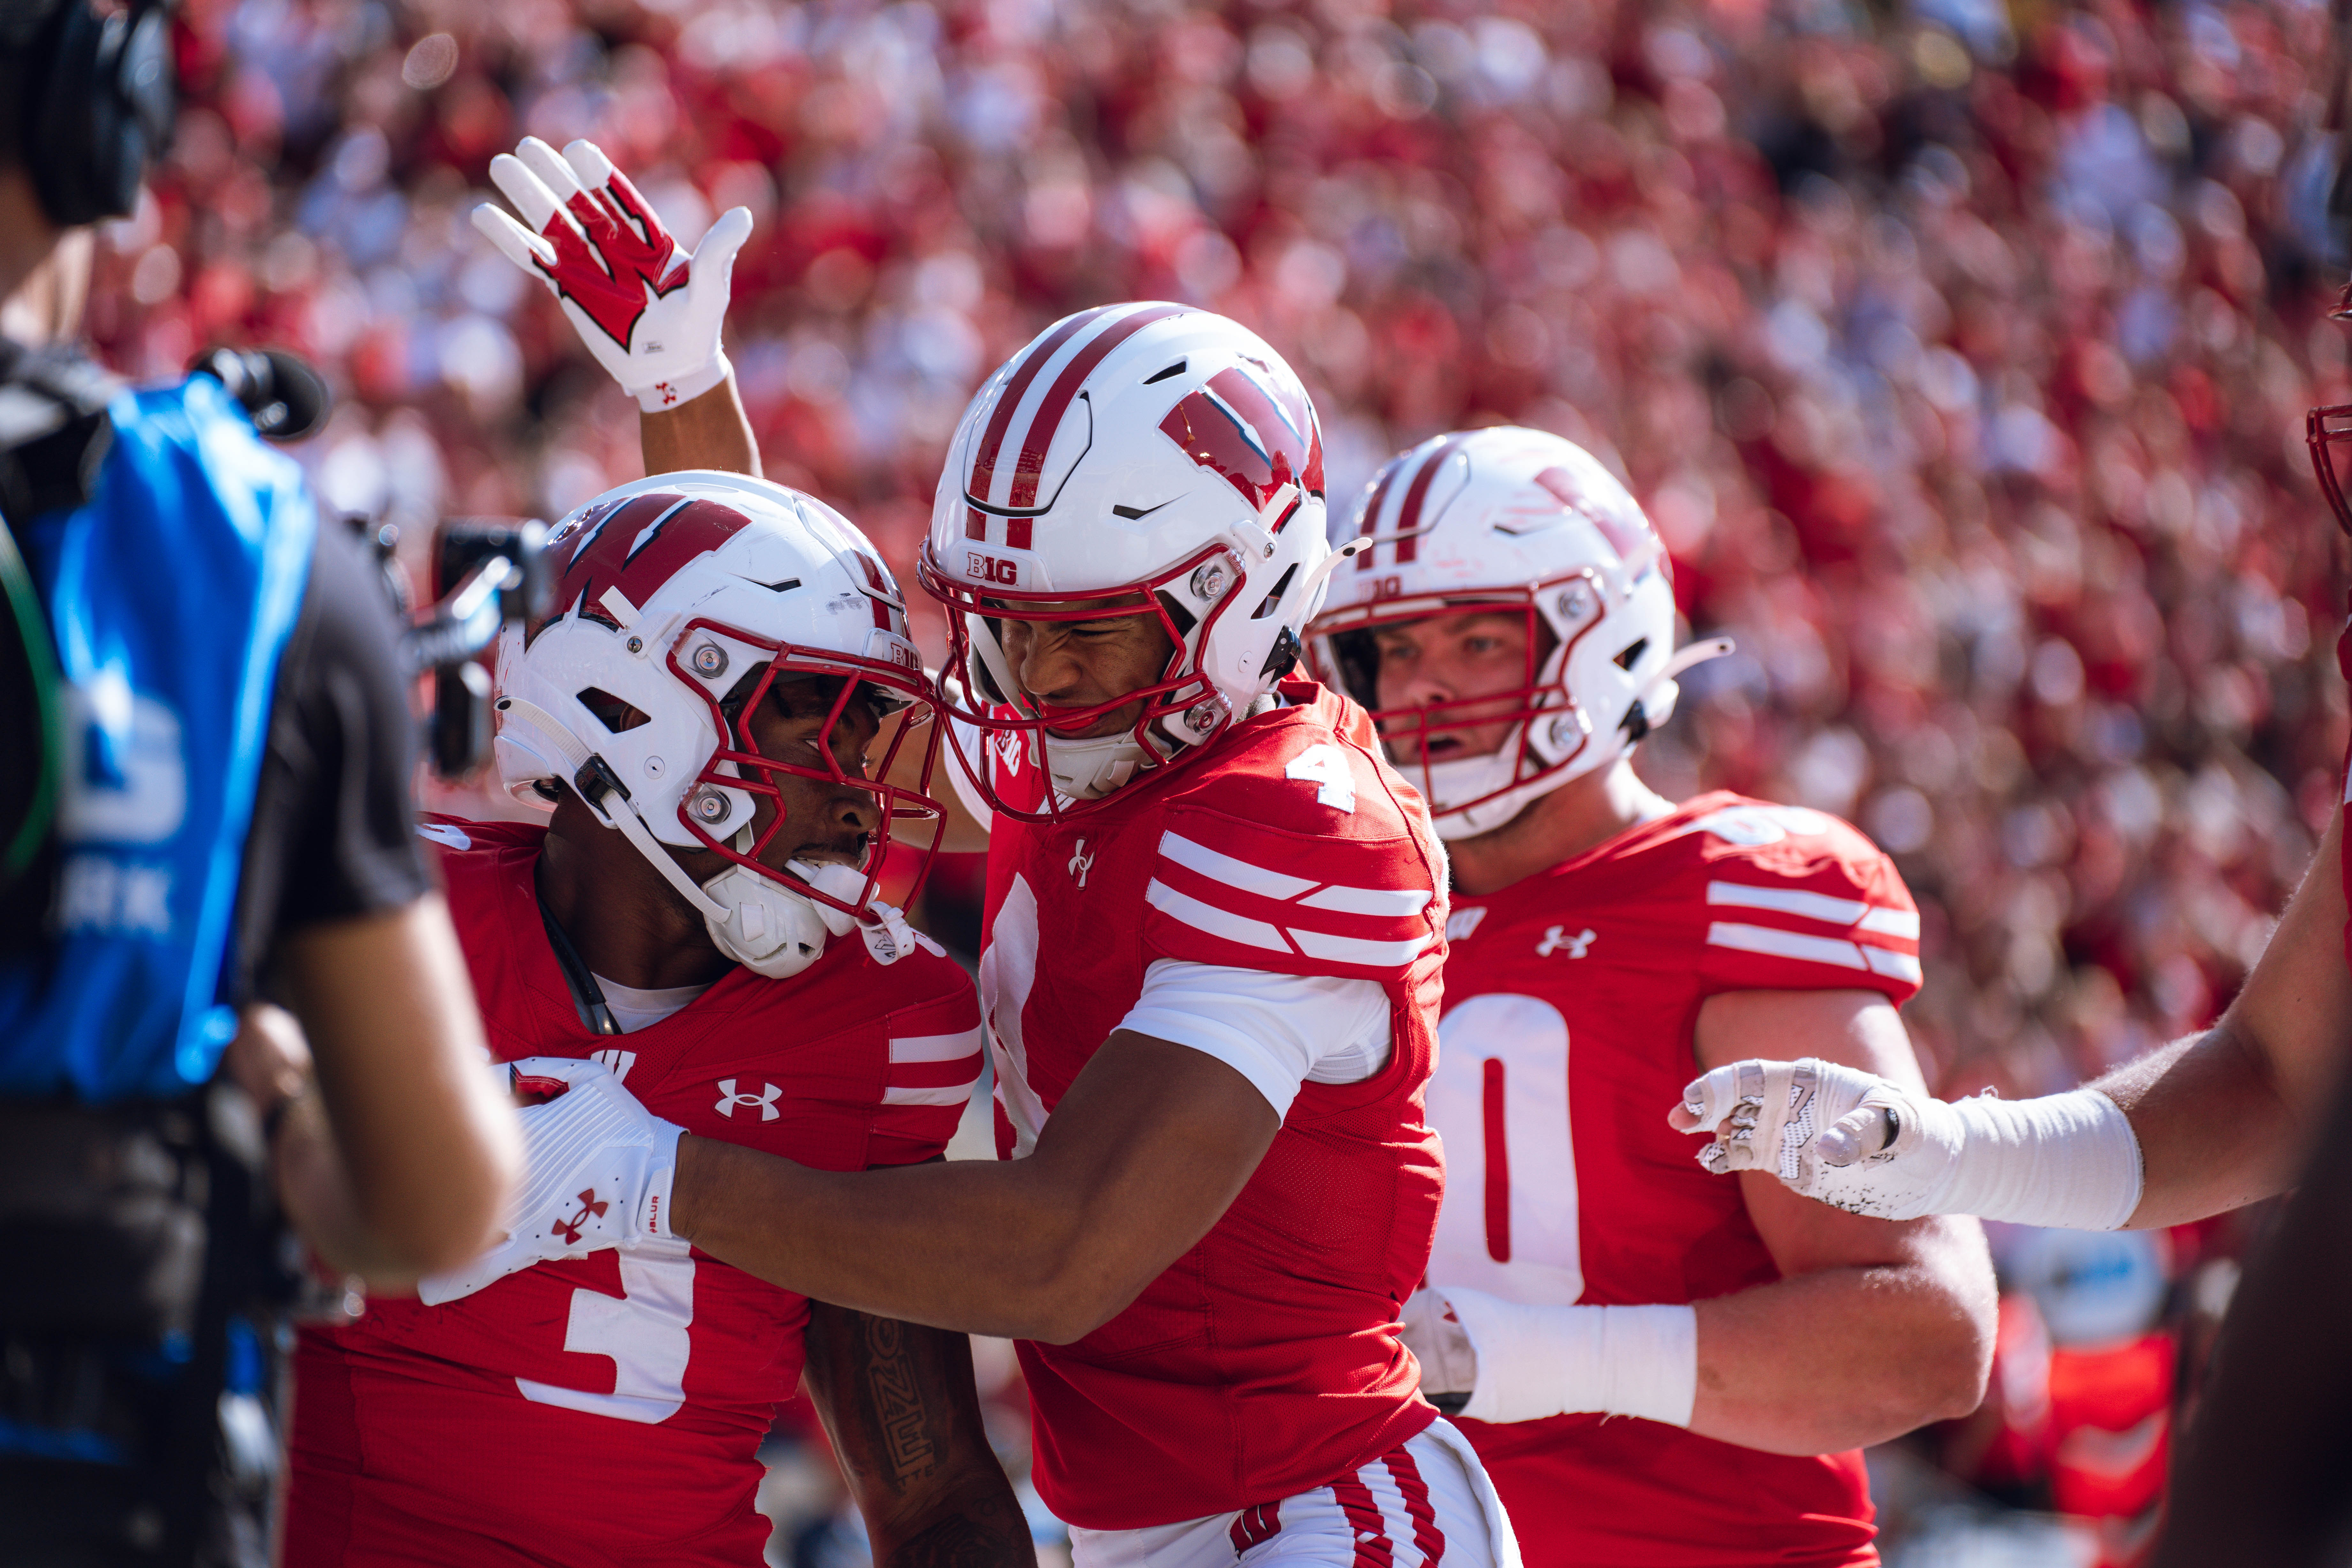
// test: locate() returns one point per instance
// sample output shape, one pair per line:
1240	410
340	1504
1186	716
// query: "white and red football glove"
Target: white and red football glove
1857	1142
597	1174
647	309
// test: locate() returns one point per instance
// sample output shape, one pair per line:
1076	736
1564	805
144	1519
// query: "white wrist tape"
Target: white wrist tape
2068	1161
1535	1362
685	387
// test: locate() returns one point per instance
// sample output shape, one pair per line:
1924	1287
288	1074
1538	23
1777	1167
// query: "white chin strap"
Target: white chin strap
1089	770
756	921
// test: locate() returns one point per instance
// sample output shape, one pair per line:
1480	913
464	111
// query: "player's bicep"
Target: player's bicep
899	1403
1853	1029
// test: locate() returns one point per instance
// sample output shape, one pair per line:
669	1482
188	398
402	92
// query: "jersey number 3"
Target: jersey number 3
644	1331
1499	1097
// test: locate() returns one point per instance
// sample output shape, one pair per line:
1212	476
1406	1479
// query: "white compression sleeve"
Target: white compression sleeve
2067	1161
1535	1362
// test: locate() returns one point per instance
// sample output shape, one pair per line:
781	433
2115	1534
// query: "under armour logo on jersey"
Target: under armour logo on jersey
1555	939
619	1061
1081	863
569	1229
765	1099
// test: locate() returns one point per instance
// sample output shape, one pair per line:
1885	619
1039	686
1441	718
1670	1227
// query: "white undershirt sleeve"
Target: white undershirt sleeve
1277	1030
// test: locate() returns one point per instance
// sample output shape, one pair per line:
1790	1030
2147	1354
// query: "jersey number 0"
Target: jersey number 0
1499	1095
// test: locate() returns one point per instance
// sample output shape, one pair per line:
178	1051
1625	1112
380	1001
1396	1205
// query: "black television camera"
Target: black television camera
486	572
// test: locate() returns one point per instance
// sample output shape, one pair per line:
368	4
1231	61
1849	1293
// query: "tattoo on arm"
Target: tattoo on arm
892	1384
898	1403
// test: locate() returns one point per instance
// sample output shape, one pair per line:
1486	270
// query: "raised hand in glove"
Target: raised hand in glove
647	308
598	1168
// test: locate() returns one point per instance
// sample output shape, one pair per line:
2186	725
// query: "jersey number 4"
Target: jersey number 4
644	1331
1499	1097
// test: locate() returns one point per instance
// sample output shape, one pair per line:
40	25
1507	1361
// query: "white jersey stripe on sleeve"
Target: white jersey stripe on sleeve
1232	872
1209	918
937	1048
1355	950
1782	944
1819	907
1391	901
1901	966
1904	923
941	1094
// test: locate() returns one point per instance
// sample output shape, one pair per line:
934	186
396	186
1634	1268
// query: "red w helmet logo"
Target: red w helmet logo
631	547
1258	438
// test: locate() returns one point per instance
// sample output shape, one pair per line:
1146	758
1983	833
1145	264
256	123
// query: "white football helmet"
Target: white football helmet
1512	520
685	597
1154	456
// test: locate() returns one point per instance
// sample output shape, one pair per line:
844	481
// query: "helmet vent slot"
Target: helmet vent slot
1273	598
1632	653
615	713
1176	369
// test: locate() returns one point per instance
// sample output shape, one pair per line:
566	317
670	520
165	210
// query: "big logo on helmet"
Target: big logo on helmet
1260	438
636	545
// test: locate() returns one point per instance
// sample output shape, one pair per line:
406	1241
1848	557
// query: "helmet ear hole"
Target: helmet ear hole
615	713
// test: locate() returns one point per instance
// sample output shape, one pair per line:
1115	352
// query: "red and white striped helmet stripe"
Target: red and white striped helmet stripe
1402	531
1038	408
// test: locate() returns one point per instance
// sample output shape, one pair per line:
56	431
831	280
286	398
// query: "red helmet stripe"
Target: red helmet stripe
612	554
1016	387
975	523
1409	514
1372	509
1049	422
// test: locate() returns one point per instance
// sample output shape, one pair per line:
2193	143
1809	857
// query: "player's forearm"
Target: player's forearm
707	432
979	1247
976	1523
1143	1154
900	1406
1833	1361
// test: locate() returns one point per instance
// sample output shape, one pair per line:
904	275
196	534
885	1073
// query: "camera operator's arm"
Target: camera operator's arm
393	1159
647	308
400	1165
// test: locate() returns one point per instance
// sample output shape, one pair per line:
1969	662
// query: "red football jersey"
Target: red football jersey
1572	1002
1265	1361
606	1409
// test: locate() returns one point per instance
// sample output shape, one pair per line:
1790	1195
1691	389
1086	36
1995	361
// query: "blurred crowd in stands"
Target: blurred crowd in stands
1959	351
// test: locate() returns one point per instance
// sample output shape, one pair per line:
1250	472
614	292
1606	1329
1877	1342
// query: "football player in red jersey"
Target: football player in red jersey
697	712
1214	928
1511	625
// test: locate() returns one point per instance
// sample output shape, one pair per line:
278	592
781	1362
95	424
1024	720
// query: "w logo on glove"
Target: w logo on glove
646	309
626	247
